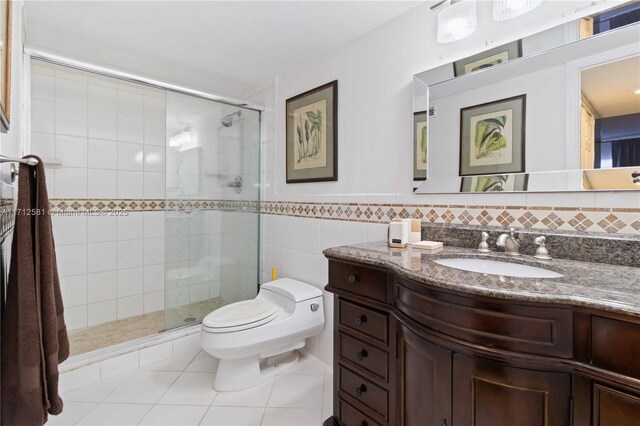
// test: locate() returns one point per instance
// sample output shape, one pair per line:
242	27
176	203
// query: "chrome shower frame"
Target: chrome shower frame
30	53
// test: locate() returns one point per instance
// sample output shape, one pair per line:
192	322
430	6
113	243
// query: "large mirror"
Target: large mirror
556	111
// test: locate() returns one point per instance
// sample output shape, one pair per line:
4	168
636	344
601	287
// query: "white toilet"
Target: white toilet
256	339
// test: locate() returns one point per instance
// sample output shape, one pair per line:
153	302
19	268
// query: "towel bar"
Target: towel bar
14	169
27	161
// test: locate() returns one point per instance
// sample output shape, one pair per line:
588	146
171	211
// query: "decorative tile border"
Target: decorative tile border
70	206
608	220
66	205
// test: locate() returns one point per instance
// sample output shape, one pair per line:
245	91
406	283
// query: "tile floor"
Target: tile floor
177	391
125	330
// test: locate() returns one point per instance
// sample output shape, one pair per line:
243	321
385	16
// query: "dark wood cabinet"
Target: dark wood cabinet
411	354
492	394
614	408
425	381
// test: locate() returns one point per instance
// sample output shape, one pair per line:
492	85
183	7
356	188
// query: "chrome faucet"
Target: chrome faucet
509	242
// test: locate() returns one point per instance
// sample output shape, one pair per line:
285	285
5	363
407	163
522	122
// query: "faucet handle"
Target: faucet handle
483	247
541	252
512	232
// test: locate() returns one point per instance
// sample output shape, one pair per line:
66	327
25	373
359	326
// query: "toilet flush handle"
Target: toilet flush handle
315	307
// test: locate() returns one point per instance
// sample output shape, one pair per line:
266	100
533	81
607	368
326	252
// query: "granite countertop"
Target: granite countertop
608	287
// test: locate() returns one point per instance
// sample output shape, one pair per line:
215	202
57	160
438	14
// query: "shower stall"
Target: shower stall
212	201
164	187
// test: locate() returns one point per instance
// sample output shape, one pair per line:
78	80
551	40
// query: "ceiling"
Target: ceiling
231	46
610	87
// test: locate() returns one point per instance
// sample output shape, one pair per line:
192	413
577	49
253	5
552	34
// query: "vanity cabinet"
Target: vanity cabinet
407	353
434	379
424	380
489	394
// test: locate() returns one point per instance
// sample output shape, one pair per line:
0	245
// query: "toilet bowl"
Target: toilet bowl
256	339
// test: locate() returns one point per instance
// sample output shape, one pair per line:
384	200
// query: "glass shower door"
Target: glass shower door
212	162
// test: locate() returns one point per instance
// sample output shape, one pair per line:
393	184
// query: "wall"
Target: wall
374	76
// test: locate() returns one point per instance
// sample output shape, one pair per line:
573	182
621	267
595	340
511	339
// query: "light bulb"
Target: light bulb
509	9
457	21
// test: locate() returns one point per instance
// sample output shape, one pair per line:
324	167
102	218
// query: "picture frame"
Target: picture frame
420	135
492	137
488	58
5	64
312	135
495	183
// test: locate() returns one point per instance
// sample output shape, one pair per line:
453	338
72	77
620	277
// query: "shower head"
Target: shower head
227	120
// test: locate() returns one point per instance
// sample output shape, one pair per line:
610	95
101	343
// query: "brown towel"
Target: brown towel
34	335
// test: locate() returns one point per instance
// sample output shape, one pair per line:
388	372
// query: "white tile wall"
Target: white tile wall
294	247
110	267
93	124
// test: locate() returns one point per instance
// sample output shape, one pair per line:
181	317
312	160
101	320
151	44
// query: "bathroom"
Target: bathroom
183	187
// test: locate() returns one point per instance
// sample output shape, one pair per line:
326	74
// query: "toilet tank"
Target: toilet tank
294	290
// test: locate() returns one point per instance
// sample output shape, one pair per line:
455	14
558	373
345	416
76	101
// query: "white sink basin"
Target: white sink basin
494	267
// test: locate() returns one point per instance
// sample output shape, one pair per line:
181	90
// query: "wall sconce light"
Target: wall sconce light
509	9
459	18
457	21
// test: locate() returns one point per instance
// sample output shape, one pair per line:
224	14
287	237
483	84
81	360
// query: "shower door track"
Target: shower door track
31	53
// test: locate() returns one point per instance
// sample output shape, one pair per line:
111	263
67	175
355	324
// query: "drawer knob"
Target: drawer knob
353	279
360	390
361	354
444	422
360	319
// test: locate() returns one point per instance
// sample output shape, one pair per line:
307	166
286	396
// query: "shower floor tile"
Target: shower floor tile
152	396
124	330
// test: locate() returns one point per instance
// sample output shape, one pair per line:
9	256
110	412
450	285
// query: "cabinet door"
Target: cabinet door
491	394
614	408
425	381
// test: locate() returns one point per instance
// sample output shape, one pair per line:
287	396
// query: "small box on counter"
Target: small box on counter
428	246
398	234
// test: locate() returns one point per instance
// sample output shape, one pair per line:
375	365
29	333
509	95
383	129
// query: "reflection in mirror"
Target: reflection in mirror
420	133
555	111
611	19
610	123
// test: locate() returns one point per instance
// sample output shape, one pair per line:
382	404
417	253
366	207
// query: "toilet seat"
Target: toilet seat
240	316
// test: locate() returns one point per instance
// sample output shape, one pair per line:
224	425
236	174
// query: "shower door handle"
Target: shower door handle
236	184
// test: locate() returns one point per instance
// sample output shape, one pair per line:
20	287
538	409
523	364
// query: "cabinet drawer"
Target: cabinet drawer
364	355
349	416
518	328
364	391
364	320
356	279
615	345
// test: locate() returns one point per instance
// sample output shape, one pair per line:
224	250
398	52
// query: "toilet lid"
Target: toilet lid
241	315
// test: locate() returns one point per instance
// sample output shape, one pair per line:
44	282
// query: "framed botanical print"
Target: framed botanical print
495	183
420	145
488	58
312	135
5	64
492	137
